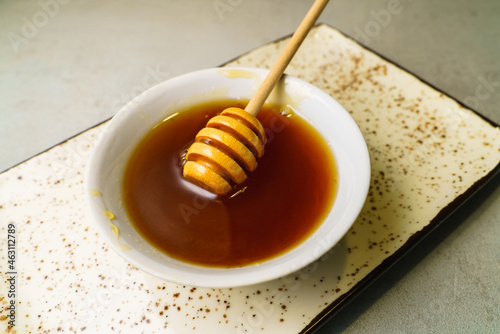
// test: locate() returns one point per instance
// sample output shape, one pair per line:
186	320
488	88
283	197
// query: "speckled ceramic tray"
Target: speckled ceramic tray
429	154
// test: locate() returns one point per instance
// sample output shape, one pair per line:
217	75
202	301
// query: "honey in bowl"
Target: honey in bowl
280	204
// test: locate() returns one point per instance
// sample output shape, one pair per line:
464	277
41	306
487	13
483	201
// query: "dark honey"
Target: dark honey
281	203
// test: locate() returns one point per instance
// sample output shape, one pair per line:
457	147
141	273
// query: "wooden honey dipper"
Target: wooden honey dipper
232	141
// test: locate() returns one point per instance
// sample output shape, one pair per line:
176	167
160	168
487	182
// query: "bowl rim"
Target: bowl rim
280	266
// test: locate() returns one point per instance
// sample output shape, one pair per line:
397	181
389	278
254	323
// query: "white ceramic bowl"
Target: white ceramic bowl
121	135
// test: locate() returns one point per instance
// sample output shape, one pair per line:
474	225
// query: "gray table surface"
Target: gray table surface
66	65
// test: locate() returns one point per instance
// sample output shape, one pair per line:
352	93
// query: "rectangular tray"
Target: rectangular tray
429	154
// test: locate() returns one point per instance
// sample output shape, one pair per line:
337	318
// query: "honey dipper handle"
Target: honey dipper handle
284	59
